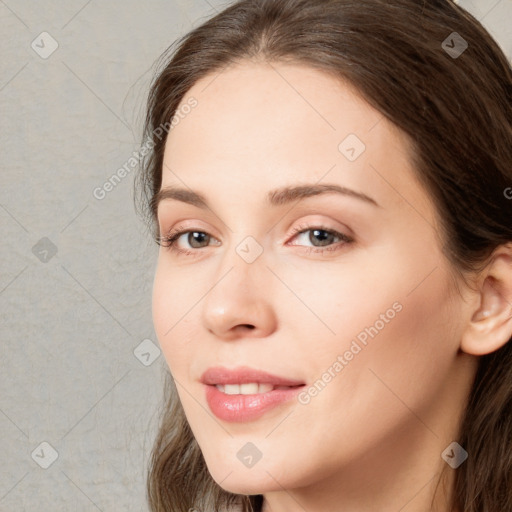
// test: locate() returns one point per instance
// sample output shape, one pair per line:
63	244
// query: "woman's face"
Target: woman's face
347	293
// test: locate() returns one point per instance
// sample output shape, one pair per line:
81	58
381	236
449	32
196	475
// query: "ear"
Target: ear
490	327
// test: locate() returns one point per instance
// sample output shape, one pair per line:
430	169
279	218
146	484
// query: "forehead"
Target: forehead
263	126
250	104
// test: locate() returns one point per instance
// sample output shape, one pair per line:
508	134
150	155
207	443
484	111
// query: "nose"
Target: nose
238	303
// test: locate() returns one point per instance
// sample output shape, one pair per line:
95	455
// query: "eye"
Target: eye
321	238
196	240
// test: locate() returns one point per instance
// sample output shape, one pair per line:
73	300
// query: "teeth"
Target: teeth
251	388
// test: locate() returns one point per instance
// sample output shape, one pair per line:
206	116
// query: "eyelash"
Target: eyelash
169	241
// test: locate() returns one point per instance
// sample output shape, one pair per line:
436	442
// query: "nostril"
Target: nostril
241	328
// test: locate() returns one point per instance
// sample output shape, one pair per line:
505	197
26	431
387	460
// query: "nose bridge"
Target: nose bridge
241	272
244	259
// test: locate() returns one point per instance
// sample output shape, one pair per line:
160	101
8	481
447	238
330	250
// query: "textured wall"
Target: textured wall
81	372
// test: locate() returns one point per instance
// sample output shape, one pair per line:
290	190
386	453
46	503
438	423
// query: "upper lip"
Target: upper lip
244	375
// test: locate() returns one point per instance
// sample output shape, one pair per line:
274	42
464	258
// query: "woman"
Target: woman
328	184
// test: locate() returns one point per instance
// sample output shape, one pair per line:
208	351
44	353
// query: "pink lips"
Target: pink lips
243	375
240	408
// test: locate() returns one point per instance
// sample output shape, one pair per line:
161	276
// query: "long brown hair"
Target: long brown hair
455	109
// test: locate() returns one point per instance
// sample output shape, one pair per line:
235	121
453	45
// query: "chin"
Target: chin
246	481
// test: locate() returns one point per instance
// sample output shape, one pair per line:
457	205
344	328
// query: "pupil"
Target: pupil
198	234
324	240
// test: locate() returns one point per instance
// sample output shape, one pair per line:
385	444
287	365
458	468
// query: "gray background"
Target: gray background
81	373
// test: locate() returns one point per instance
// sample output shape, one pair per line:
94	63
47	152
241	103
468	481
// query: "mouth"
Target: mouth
251	388
245	394
243	375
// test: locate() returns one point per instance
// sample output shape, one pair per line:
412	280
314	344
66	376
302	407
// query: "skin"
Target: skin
372	438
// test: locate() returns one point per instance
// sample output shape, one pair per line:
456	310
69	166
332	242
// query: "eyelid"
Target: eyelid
194	225
317	221
185	225
344	238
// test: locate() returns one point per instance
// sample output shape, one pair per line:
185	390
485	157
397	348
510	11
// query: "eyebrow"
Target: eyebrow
275	197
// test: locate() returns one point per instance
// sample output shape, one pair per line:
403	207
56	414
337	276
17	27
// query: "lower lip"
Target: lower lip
240	408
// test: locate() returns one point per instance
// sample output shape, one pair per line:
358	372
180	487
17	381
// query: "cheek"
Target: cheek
398	365
171	304
425	344
396	336
161	305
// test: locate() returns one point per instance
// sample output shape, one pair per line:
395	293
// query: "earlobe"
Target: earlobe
490	326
